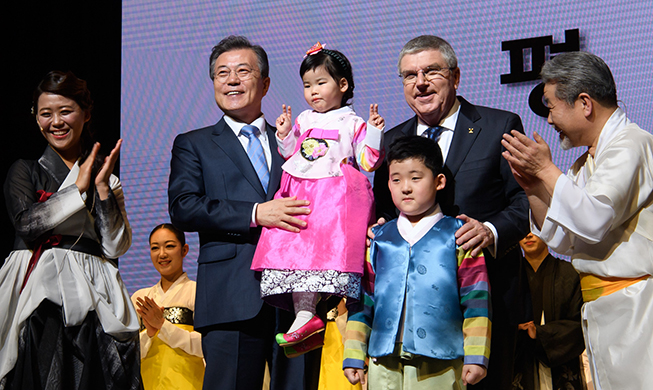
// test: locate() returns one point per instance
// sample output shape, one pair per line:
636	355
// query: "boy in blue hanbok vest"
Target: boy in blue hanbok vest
426	316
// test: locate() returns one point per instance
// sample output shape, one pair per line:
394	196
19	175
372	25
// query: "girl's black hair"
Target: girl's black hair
336	64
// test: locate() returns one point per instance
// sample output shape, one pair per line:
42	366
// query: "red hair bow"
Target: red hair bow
315	49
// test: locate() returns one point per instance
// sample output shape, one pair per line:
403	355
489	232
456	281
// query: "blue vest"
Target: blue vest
426	276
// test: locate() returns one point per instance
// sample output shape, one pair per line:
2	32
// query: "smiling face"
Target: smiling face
61	121
430	100
565	119
240	98
321	90
414	188
167	254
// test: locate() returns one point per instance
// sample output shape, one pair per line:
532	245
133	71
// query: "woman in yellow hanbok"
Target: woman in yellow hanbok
171	351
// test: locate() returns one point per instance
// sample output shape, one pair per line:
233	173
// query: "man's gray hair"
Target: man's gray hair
429	42
235	42
579	72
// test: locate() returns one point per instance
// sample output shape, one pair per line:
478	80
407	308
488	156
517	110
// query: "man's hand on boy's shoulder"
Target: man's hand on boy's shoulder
370	232
473	235
472	374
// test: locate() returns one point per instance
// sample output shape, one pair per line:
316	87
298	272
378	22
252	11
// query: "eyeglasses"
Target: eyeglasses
243	73
430	73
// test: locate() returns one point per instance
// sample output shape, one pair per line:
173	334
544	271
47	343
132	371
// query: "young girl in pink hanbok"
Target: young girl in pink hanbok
325	149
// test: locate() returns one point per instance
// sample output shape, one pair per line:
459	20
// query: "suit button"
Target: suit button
421	333
421	269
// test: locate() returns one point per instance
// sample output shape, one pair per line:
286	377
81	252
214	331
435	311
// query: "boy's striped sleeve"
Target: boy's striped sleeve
359	324
474	288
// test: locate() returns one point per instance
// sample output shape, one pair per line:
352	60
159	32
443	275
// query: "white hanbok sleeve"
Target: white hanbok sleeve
618	188
189	342
145	340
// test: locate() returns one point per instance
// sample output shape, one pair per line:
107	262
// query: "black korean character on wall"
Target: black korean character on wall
527	57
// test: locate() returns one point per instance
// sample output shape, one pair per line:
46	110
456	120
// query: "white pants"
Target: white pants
618	330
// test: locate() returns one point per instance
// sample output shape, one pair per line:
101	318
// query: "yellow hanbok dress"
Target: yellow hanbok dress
172	359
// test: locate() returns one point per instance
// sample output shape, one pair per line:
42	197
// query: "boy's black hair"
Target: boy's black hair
336	64
428	152
419	148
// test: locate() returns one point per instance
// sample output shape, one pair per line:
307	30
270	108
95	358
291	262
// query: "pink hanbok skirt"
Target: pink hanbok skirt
327	255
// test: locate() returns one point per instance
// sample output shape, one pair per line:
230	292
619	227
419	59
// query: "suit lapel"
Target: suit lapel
464	135
410	128
277	161
226	140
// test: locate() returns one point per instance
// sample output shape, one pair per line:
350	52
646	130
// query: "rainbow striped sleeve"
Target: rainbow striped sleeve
359	327
368	141
477	312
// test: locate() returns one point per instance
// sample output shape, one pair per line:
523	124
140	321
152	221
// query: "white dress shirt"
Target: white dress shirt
262	136
449	124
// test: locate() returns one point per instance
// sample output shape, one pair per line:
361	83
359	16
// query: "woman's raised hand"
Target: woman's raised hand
102	178
84	177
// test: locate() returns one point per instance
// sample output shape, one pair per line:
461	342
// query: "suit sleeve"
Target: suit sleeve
189	206
512	222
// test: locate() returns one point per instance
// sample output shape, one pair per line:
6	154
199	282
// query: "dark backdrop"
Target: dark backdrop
39	36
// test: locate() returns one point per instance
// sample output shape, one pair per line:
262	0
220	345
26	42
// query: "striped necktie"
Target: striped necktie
434	133
256	155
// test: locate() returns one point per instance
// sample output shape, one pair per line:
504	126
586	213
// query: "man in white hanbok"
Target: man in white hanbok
600	213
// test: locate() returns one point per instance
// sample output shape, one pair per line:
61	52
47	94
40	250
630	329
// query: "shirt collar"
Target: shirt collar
412	234
614	124
235	125
449	123
183	278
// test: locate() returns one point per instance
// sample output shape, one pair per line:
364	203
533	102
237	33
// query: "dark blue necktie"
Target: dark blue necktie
434	133
256	155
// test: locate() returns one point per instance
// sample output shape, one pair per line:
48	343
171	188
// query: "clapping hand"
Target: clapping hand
101	181
151	314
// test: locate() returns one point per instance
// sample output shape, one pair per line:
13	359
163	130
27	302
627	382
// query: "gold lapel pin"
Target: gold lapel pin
471	130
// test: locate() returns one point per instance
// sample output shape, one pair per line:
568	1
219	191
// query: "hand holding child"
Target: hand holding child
375	119
472	374
284	122
370	233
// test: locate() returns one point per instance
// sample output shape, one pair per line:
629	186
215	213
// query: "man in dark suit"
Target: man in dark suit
485	195
222	181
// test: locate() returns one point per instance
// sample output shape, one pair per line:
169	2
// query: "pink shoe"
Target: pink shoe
313	326
314	342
